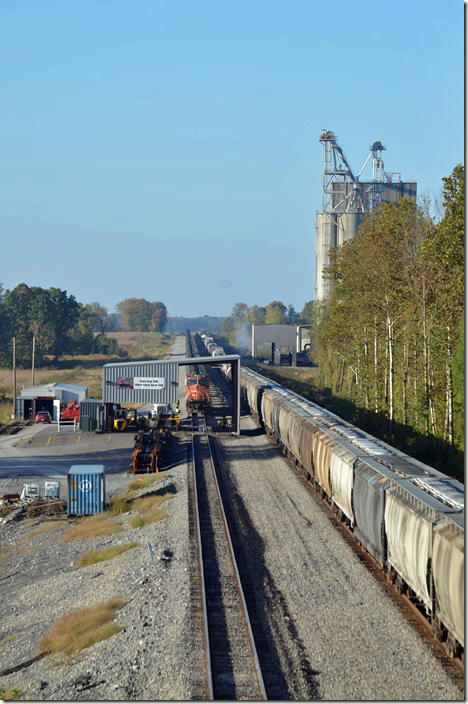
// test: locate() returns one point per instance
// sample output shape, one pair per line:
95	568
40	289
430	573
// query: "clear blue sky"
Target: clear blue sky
169	149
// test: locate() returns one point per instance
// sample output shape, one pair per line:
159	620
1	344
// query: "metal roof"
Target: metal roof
87	469
181	362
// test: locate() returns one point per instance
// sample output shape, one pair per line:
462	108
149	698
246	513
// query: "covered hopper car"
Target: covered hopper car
407	515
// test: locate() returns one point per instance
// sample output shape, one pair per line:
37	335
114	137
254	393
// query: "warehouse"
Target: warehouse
47	397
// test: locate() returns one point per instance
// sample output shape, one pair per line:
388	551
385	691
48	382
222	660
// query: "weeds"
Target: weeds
92	557
121	504
9	695
148	502
81	629
147	518
143	482
92	527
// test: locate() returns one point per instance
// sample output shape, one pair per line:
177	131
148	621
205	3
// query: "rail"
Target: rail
232	661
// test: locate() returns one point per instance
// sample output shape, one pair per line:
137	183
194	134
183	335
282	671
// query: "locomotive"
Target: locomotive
197	390
408	516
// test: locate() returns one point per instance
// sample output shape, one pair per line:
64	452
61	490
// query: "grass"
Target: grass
138	345
91	527
146	503
10	694
121	504
6	409
92	557
144	482
147	518
81	629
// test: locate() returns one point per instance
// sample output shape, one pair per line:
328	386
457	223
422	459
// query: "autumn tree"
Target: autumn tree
138	314
275	313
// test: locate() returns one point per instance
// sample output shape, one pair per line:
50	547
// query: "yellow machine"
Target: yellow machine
120	423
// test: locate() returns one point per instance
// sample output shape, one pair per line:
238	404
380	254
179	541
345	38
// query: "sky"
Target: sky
169	150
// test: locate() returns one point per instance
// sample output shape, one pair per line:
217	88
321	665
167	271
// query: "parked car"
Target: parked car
43	417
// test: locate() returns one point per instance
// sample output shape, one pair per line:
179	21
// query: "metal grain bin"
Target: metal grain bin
86	489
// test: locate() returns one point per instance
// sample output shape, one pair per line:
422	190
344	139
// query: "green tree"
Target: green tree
101	315
158	317
81	334
445	256
256	315
275	313
239	311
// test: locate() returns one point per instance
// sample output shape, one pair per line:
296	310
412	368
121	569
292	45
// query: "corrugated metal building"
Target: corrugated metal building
92	414
42	396
141	382
289	339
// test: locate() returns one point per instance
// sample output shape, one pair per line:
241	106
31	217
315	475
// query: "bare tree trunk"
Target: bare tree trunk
366	368
405	380
386	371
448	431
341	376
376	363
416	383
390	342
426	362
432	410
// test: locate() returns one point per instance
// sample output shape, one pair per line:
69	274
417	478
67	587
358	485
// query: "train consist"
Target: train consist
407	515
197	390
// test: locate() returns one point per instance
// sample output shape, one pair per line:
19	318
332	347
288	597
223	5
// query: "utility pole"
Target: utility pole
33	355
14	378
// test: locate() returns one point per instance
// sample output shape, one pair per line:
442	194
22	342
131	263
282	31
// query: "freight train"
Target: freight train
408	516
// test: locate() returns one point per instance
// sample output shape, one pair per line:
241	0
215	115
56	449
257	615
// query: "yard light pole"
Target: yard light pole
33	355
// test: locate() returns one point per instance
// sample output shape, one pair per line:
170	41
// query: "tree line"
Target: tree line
391	337
61	325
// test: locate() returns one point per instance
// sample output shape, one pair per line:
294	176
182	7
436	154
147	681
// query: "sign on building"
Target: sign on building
149	382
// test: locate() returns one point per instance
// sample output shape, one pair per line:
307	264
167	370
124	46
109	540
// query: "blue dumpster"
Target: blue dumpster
86	489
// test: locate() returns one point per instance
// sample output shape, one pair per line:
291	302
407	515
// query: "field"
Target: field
85	370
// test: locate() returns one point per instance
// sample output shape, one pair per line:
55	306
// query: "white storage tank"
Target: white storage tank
52	490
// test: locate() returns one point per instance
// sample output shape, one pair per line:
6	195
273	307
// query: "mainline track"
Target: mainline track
232	665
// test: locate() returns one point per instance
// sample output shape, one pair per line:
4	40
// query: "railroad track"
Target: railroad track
231	663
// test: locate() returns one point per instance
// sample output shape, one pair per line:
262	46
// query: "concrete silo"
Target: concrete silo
346	200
